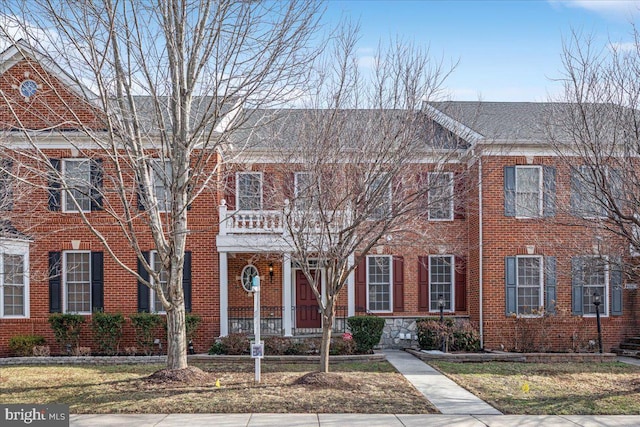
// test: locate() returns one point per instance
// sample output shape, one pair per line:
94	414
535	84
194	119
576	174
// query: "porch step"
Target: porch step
628	353
630	348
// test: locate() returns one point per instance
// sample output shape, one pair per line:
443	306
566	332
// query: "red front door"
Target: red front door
307	315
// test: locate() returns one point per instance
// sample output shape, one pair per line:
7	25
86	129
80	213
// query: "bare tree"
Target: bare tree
154	88
595	130
359	147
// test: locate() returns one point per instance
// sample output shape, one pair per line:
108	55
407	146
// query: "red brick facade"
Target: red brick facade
480	237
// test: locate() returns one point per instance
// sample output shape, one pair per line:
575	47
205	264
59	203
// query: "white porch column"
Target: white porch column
287	299
351	289
224	295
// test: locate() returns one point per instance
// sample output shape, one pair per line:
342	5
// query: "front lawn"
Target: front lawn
373	387
551	388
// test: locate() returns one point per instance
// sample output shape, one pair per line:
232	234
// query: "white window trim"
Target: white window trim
604	306
540	191
451	195
242	276
453	283
540	286
390	257
65	192
64	283
12	247
260	174
152	292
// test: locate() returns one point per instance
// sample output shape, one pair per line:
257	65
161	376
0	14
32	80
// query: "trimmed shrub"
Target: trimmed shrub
274	345
107	331
216	348
465	337
66	328
458	335
341	346
23	345
235	344
366	332
192	322
146	327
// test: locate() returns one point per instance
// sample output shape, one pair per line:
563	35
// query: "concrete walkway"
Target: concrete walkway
351	420
447	396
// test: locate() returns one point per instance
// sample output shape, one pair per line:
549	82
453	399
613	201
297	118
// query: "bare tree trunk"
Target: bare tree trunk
176	338
327	327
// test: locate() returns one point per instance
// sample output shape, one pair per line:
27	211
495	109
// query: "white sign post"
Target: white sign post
256	348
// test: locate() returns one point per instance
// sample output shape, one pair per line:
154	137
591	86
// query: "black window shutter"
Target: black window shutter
143	290
96	184
186	281
577	267
6	181
55	282
97	281
509	191
423	283
549	188
140	197
550	284
510	285
460	284
398	283
55	194
615	282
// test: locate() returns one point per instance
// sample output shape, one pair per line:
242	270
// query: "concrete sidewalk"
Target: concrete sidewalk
341	420
447	396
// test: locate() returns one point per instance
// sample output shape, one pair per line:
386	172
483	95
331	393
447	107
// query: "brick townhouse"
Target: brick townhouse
513	240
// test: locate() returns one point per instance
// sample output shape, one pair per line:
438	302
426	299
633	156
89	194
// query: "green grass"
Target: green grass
554	389
367	387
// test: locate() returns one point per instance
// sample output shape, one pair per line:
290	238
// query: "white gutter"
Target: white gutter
480	252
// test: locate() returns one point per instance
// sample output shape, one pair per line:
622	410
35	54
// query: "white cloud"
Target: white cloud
612	8
623	47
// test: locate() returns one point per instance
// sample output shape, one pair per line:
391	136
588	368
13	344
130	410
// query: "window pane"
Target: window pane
379	280
528	192
78	282
305	191
595	280
528	285
440	195
13	269
440	281
249	191
162	183
379	198
77	174
13	300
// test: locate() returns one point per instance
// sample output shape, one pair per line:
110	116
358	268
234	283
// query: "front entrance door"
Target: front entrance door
307	309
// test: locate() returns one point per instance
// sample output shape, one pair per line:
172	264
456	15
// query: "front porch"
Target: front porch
258	240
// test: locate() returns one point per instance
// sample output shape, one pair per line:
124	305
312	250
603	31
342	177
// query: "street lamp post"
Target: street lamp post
441	306
596	302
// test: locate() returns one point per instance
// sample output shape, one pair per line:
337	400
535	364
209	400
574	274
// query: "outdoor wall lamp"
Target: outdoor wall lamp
271	272
596	303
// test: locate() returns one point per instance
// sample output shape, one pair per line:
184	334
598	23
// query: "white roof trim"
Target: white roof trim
453	125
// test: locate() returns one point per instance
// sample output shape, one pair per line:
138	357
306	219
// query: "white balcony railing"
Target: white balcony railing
249	222
272	221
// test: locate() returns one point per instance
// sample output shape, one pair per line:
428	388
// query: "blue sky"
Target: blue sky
507	50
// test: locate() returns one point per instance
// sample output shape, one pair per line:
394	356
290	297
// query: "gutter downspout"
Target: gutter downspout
480	252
